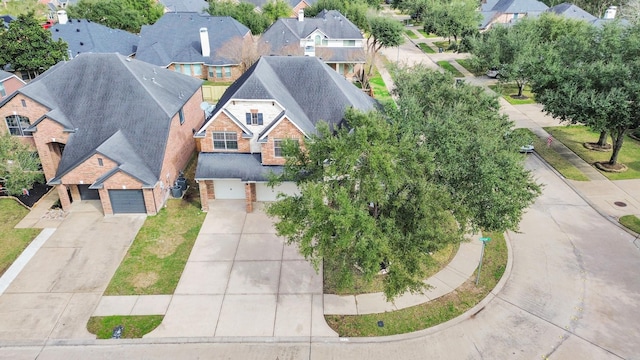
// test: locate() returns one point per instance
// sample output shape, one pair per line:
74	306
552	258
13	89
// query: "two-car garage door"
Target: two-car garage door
127	201
267	193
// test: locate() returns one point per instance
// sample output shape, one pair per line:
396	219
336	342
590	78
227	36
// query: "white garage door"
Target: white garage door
266	193
228	189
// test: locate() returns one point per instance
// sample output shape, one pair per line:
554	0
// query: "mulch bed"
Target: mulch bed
35	194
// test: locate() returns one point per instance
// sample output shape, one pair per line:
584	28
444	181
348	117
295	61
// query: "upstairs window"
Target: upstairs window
181	115
17	124
227	71
277	146
318	40
348	43
225	140
3	92
254	118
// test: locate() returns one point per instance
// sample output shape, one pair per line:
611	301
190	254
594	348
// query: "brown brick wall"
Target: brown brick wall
284	130
33	111
48	133
235	73
223	123
10	85
89	171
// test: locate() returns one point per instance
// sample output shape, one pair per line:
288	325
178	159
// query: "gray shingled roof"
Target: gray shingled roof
4	75
571	11
185	5
292	3
175	38
283	37
114	106
247	167
84	36
491	8
307	88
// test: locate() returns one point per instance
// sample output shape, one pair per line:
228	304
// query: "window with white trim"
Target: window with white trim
17	124
254	118
277	146
225	140
348	43
227	71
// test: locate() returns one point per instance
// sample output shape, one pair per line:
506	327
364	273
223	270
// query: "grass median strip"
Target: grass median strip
508	91
554	159
465	63
426	48
411	34
436	311
134	327
13	241
450	68
575	136
631	222
380	91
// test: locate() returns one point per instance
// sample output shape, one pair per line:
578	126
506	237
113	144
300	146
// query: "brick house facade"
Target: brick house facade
122	139
279	98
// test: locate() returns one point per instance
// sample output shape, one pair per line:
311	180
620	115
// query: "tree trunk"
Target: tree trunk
618	138
602	141
520	89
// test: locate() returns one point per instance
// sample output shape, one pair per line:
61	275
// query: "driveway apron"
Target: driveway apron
58	289
242	280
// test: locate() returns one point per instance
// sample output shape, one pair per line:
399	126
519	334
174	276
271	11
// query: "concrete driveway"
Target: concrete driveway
242	280
57	291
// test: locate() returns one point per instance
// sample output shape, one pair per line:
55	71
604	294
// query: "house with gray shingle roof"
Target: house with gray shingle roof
199	45
86	36
329	36
508	11
296	5
109	128
571	11
278	98
197	6
8	84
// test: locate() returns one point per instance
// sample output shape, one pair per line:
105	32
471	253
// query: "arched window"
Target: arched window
318	40
17	124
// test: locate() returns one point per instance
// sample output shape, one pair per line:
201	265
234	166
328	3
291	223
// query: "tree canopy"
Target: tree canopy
19	165
451	18
355	10
390	189
277	9
29	47
244	12
593	78
128	15
383	32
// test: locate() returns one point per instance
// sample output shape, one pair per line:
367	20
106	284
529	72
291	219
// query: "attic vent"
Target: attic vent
81	43
79	20
77	30
154	71
57	30
128	59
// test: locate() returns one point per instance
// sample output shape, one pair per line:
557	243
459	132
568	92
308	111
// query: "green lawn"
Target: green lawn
553	158
450	68
576	135
12	241
217	83
426	48
467	65
438	260
631	222
506	90
380	91
424	33
134	326
434	312
442	44
19	7
411	34
155	261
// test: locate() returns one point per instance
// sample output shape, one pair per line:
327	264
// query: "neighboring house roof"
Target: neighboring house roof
246	167
175	38
493	8
114	106
185	5
85	36
6	19
283	37
571	11
307	88
5	75
293	3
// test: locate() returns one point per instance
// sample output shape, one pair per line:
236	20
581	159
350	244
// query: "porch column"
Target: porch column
65	202
249	195
204	196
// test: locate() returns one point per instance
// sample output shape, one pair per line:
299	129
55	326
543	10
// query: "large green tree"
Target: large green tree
451	18
593	78
366	198
127	15
277	9
475	160
19	165
26	46
245	13
355	10
392	188
383	32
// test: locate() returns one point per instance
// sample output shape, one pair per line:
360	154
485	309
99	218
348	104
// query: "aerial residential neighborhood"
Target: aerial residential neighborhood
307	179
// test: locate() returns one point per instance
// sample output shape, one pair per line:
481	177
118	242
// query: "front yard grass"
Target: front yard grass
155	261
465	63
134	326
575	136
506	90
426	48
436	311
380	91
12	241
411	34
554	159
439	260
631	222
443	44
425	34
450	68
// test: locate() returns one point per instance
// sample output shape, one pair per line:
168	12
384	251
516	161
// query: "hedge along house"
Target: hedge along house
199	45
278	98
109	128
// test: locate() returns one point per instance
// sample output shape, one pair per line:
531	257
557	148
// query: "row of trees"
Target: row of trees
391	188
127	15
246	14
582	74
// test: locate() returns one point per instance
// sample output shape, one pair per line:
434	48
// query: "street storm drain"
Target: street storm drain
620	203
